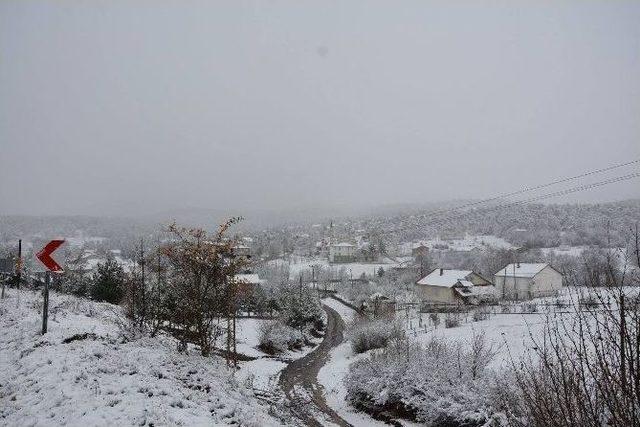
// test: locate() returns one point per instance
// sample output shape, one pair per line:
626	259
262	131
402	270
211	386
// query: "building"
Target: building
380	306
342	252
247	283
419	250
241	251
522	281
444	286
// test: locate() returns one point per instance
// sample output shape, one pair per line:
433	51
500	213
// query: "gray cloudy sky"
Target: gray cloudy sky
141	107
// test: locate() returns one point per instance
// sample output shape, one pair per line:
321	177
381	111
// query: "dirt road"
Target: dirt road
299	379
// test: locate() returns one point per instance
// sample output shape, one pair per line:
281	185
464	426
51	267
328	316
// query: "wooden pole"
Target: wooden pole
19	272
45	306
143	313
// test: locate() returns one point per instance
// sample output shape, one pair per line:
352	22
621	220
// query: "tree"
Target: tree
201	291
585	369
108	282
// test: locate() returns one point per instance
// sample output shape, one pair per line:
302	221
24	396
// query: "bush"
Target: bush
108	283
506	308
435	319
299	309
276	337
531	307
452	321
481	313
426	384
369	334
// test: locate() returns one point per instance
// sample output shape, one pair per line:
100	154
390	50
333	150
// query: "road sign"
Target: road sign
45	255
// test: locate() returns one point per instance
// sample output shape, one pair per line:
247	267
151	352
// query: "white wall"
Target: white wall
546	283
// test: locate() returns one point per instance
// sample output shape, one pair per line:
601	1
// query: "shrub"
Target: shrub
425	383
531	307
108	283
435	319
369	334
481	313
452	321
276	337
505	308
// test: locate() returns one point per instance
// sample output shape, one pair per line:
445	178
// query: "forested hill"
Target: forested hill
536	225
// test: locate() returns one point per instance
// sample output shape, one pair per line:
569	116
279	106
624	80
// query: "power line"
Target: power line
537	187
441	221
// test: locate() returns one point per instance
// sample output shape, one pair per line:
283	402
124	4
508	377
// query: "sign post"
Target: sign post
45	305
45	257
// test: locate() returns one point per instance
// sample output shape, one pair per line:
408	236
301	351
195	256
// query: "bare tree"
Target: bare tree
200	286
585	370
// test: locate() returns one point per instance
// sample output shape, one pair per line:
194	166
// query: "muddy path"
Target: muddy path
299	380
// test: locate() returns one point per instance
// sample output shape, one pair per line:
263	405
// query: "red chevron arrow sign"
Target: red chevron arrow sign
45	255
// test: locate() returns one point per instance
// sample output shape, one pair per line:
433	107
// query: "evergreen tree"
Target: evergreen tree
108	282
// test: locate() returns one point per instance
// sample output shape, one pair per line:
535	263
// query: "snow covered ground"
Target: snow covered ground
298	265
262	373
466	244
333	372
89	370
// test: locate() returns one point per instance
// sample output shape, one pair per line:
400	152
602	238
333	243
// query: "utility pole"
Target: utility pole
300	296
144	291
45	305
19	264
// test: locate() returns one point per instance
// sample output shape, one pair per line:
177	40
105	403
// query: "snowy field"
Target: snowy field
466	244
511	334
298	265
89	370
263	373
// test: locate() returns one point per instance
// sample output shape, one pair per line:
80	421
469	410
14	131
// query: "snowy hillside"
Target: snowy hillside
89	370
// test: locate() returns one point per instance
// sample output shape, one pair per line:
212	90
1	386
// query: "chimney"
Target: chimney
441	271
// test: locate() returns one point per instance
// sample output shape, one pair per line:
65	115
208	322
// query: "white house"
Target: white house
342	252
522	281
444	286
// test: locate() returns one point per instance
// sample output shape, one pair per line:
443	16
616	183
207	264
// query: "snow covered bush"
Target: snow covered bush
298	307
437	384
435	319
276	337
108	283
452	321
482	313
367	334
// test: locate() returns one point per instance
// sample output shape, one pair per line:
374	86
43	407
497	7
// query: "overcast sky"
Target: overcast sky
139	107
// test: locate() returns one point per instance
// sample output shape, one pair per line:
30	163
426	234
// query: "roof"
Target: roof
448	278
344	245
522	270
248	278
475	291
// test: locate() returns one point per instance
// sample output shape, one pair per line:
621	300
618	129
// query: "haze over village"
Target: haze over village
319	214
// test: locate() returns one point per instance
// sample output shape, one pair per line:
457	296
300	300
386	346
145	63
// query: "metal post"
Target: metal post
45	305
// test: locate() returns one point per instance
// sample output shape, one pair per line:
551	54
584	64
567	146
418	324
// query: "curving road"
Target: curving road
299	380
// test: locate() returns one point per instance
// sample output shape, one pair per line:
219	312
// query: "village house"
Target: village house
522	281
342	252
419	250
246	284
445	286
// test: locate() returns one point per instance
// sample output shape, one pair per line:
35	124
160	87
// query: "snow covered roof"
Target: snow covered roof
343	245
475	291
522	270
248	278
448	278
465	283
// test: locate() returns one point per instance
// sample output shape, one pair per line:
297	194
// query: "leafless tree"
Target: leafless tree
585	369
